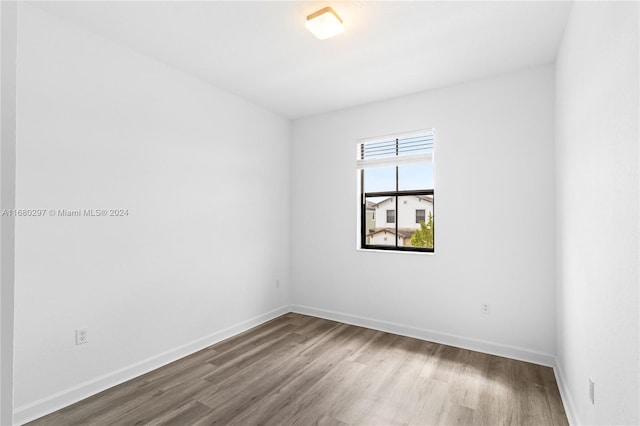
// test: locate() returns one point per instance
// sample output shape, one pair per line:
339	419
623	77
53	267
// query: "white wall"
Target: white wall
100	126
597	199
8	43
494	198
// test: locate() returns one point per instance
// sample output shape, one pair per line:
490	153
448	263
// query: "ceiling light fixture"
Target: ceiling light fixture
324	23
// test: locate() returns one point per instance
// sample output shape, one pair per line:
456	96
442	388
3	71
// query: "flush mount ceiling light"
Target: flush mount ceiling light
324	23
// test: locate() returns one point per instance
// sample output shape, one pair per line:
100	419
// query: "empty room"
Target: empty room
319	213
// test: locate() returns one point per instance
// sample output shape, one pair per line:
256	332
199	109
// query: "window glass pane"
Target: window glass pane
378	231
411	233
391	216
380	179
415	176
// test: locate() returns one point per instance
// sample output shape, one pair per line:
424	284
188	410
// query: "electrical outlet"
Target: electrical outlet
485	308
82	335
592	391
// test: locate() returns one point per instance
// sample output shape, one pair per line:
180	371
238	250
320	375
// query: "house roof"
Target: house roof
403	232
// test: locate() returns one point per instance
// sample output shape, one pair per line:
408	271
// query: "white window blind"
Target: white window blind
410	149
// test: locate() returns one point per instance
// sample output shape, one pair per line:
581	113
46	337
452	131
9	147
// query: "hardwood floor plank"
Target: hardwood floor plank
233	348
160	406
227	367
432	396
320	398
185	414
301	370
393	404
282	387
233	396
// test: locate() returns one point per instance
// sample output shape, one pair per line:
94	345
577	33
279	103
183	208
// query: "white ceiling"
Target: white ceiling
262	51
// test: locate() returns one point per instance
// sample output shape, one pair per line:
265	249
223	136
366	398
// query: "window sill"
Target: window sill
421	253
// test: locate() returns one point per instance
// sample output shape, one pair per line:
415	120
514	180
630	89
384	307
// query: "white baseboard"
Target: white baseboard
39	408
513	352
565	395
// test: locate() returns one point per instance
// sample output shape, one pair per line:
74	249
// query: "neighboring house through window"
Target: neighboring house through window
397	192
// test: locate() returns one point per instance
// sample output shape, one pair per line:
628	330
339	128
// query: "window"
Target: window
391	216
397	192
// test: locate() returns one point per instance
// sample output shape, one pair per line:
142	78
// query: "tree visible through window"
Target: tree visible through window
424	236
396	180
